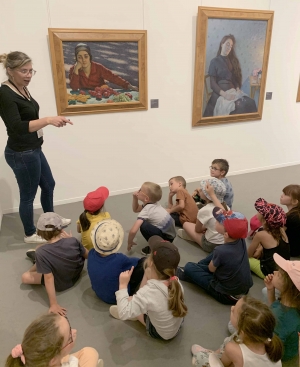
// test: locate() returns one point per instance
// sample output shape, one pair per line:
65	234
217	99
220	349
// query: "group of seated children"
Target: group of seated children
149	289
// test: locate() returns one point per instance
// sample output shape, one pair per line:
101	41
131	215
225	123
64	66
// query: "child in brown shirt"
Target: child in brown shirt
185	208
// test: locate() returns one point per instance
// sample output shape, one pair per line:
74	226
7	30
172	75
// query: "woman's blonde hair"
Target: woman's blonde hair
41	343
175	294
13	60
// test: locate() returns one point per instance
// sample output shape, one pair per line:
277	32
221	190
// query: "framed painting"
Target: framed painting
98	71
232	53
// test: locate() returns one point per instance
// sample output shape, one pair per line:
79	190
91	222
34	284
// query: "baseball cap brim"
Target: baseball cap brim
280	261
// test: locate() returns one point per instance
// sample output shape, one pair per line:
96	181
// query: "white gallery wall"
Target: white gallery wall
121	150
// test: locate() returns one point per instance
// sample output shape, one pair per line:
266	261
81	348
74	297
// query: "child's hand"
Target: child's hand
56	308
268	282
129	246
209	189
135	194
168	210
64	234
196	192
171	194
124	278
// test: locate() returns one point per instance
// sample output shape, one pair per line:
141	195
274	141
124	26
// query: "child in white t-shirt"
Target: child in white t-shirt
159	303
204	232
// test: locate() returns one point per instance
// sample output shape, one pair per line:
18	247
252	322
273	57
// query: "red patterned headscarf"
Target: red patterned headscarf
273	214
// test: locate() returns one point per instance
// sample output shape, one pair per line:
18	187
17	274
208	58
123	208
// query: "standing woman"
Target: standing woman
23	152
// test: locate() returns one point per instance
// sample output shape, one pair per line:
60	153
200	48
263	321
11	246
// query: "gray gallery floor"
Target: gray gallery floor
123	343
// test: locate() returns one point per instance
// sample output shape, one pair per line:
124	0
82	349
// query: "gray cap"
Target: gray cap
49	218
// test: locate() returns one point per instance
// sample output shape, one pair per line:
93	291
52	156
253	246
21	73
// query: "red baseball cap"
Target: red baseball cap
95	199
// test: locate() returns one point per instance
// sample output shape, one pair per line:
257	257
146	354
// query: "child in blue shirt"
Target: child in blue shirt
105	263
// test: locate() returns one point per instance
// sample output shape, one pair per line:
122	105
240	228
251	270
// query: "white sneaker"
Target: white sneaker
113	310
182	234
34	239
65	221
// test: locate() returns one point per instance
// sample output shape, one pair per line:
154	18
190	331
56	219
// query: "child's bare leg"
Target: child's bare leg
141	319
190	230
31	276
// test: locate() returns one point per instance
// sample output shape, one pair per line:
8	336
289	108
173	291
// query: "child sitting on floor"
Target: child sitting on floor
291	198
225	273
272	239
48	341
287	308
105	263
185	209
58	263
159	303
152	219
93	205
204	232
254	343
219	169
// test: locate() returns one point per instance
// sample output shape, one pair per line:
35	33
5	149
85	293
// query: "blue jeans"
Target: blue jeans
31	170
199	274
148	230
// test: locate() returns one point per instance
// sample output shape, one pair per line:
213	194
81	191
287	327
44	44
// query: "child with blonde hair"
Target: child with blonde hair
254	343
152	219
291	198
48	341
204	232
93	213
159	303
287	308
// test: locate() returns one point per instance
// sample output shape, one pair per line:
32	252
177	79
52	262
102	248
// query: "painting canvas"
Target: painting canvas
102	71
231	65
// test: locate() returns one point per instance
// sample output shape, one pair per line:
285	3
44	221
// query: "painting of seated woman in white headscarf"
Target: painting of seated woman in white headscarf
232	50
101	72
234	59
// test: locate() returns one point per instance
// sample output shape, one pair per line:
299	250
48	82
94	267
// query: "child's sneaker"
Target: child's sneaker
182	234
146	251
31	255
34	239
113	310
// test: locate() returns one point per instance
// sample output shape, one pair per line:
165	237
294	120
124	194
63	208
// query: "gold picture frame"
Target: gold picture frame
117	58
298	93
212	25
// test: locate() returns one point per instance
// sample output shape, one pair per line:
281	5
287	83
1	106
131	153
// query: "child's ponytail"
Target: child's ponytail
175	299
274	348
13	362
83	219
84	222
